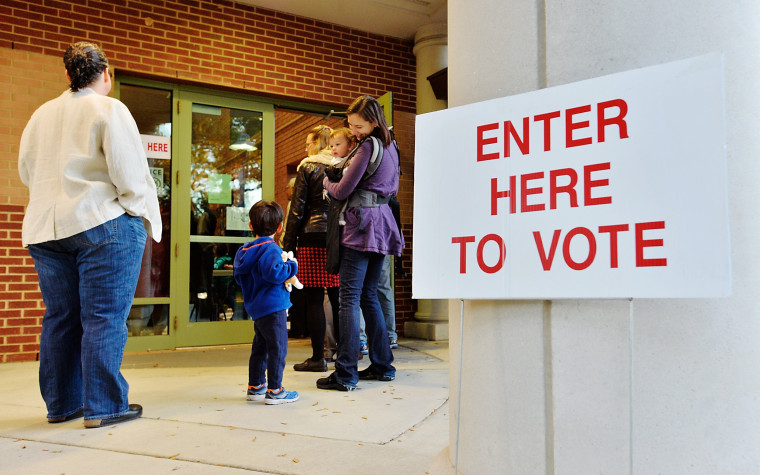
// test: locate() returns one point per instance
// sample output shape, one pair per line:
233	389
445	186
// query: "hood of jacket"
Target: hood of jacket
249	254
324	157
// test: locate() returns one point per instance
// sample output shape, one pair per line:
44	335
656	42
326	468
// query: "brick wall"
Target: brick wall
21	306
26	81
222	43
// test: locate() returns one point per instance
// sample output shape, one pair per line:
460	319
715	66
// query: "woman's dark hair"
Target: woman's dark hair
265	217
370	110
84	62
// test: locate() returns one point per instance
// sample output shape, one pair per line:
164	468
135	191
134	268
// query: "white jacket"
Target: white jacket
83	160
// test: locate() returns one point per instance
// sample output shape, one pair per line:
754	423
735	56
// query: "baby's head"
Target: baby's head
341	142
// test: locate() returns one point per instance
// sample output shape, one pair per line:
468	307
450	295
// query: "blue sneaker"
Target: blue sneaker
394	343
363	348
256	393
281	396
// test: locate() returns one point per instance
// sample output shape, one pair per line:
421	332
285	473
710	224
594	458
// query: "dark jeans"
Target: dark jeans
269	349
87	283
359	275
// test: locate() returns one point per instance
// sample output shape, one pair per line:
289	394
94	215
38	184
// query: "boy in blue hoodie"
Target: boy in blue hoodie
261	271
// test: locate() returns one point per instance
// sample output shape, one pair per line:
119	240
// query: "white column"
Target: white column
431	49
611	386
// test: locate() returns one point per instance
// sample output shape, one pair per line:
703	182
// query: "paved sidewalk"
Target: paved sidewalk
196	420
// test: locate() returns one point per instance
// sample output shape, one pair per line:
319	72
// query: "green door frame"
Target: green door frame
182	332
226	332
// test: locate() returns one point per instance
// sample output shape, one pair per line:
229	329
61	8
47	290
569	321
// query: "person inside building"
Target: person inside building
91	198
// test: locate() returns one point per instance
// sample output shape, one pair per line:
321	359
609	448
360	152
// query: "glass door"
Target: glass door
229	150
212	158
149	320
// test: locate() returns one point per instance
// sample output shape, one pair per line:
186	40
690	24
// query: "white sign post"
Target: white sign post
612	187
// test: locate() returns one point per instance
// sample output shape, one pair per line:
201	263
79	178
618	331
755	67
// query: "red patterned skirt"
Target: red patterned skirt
311	268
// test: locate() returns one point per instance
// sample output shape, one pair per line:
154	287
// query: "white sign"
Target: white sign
157	146
608	188
158	177
237	219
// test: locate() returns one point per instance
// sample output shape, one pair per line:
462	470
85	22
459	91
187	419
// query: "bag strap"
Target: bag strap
375	159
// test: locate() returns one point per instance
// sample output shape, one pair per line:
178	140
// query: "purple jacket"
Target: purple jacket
370	229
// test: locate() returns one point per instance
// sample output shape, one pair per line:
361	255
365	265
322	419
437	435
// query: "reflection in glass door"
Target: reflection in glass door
152	111
225	181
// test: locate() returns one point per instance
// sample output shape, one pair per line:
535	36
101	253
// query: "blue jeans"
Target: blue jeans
359	275
268	350
387	303
87	281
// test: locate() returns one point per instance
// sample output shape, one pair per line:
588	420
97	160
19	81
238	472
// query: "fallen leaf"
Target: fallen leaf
315	403
174	456
295	460
282	455
254	439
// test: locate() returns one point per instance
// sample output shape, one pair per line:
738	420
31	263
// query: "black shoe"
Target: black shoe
331	382
367	375
318	366
134	411
70	417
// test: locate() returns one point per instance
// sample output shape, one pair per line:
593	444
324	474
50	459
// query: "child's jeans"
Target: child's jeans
269	349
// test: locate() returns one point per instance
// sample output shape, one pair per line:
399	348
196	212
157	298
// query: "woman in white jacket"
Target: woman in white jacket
90	189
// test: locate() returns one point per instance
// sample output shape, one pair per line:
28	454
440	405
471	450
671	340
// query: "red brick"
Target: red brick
18	357
11	340
21	322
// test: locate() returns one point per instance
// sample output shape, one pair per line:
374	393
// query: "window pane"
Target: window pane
152	110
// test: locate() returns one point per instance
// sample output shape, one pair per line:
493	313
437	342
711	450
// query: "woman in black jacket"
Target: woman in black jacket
305	234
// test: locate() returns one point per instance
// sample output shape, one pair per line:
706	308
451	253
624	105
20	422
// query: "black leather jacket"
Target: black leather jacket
308	207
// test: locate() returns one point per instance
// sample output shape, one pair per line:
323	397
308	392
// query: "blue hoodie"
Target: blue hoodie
260	272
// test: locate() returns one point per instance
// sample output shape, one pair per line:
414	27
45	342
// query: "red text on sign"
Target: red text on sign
561	182
158	147
640	243
485	267
575	127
